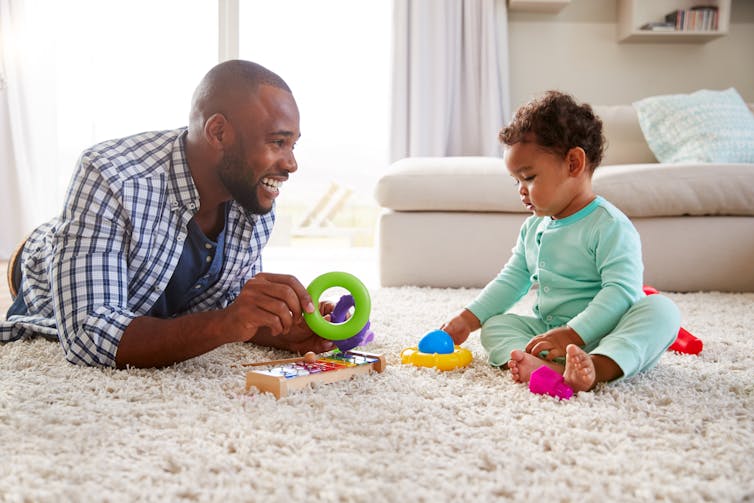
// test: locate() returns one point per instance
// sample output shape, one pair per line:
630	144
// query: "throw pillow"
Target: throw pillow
705	126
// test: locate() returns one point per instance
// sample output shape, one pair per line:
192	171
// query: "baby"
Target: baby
592	321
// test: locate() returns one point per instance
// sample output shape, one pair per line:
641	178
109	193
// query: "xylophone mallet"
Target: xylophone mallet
309	357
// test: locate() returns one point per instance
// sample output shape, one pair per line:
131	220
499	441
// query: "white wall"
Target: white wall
577	51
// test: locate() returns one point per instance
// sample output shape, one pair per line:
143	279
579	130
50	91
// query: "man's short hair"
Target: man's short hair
241	71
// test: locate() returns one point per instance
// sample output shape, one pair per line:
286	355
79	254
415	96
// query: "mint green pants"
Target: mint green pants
641	337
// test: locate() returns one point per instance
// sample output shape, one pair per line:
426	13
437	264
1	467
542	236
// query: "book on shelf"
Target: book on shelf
697	18
658	26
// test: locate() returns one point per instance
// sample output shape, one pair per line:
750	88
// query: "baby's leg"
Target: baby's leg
504	334
642	336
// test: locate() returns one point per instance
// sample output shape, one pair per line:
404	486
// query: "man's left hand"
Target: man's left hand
300	338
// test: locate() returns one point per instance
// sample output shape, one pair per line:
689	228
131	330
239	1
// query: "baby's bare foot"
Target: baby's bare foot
523	364
579	371
516	356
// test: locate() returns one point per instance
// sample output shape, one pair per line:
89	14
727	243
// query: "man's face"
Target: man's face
256	165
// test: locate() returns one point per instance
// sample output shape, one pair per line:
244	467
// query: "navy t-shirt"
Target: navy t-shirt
198	268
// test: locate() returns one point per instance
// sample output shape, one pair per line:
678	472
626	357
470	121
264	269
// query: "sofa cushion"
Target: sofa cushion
482	184
625	140
656	190
448	184
705	126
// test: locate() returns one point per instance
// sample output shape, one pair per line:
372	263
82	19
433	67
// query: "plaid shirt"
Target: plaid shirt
106	260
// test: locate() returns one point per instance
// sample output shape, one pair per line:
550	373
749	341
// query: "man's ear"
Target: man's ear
218	131
576	158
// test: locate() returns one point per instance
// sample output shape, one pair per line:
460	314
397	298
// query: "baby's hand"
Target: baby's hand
461	325
554	342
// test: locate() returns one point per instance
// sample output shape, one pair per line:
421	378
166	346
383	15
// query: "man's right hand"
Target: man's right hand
271	301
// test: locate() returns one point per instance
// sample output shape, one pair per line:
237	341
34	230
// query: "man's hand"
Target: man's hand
267	311
554	342
268	304
461	325
300	338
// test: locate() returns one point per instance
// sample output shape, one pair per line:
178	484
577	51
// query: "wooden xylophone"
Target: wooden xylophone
282	379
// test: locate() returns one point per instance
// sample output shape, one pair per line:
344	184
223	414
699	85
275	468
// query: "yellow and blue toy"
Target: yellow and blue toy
436	349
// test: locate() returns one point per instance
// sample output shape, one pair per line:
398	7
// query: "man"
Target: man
156	257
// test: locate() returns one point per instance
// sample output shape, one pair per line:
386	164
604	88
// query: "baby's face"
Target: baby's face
542	178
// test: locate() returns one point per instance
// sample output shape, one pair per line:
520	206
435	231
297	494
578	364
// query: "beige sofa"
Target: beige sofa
452	221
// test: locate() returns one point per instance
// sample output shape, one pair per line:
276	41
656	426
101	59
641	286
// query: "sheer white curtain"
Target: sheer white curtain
78	72
27	161
450	77
10	199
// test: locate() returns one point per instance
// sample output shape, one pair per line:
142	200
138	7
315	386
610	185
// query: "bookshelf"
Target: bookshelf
632	14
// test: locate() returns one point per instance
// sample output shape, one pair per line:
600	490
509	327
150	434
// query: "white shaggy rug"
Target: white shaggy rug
682	432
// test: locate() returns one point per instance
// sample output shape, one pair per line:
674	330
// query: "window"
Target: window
335	56
98	70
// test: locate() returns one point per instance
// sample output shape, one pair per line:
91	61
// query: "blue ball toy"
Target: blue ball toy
437	341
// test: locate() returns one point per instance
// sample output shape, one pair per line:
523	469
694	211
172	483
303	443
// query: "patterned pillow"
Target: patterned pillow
705	126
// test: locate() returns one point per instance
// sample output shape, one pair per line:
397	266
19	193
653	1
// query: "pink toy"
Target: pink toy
544	380
684	342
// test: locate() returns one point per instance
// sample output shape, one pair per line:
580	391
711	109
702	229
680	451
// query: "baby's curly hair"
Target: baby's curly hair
558	123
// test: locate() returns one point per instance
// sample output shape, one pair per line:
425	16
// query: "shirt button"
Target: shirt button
542	264
180	238
549	318
197	287
546	289
208	246
209	258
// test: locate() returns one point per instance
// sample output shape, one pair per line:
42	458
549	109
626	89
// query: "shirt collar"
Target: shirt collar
583	212
184	194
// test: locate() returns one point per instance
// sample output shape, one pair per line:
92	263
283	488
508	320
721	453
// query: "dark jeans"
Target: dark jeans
18	306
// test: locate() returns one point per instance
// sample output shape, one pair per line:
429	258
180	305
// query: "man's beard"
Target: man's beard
235	174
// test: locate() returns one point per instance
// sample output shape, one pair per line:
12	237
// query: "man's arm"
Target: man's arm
268	311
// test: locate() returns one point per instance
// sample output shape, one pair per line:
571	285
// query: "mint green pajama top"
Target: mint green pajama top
587	270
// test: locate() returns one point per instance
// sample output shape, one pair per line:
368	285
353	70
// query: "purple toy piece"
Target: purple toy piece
339	315
544	380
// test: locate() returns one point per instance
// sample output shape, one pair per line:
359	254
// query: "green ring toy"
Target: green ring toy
361	300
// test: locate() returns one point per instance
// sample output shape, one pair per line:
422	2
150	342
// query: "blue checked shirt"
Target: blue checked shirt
107	259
